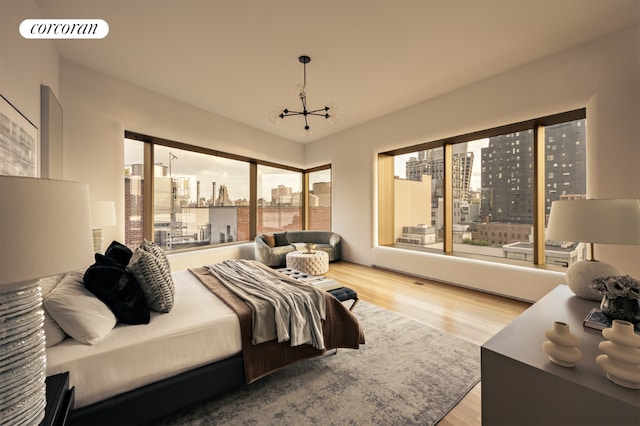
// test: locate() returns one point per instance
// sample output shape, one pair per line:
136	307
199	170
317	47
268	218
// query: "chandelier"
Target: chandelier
328	111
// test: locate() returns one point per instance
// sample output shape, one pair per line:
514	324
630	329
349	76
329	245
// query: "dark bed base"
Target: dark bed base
156	400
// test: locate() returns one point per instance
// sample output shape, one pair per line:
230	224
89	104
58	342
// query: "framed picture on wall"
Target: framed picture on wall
19	149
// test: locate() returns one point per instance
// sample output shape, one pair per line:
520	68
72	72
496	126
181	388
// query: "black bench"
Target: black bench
345	293
341	293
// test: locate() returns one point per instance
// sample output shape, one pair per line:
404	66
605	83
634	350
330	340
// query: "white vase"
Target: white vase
562	345
621	358
580	274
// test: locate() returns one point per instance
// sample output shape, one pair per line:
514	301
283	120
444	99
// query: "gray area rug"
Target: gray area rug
407	373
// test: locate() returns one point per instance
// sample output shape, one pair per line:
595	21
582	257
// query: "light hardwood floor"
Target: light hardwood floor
468	314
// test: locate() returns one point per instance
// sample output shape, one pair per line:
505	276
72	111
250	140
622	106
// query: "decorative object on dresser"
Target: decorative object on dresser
621	358
49	220
597	320
103	213
562	345
620	297
605	221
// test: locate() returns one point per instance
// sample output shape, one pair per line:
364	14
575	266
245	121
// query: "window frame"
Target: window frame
148	170
386	196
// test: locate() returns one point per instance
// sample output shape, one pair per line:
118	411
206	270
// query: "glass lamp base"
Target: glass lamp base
22	356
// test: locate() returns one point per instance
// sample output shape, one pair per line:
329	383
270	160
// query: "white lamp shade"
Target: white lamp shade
45	227
606	221
103	213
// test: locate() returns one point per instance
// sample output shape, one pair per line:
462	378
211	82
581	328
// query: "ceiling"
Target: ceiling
239	59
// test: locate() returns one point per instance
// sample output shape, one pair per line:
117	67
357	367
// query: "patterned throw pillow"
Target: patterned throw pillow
281	239
269	239
150	267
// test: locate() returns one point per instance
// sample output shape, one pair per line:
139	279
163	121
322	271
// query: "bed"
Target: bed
136	374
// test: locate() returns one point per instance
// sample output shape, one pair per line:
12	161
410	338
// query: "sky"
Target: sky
476	172
206	168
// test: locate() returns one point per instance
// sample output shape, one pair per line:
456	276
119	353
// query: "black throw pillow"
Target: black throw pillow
281	239
115	287
119	253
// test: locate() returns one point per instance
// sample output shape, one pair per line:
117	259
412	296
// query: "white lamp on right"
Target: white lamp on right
605	221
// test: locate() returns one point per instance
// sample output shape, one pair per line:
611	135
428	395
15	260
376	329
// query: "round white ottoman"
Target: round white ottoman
312	263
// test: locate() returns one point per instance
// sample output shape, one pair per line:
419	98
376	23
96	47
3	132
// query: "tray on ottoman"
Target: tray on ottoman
331	286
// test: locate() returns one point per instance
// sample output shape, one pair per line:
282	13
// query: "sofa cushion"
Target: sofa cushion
281	239
269	239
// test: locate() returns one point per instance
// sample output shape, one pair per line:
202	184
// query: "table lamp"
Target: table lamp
103	213
604	221
45	229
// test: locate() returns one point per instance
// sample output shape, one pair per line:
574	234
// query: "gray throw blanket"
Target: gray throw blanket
282	308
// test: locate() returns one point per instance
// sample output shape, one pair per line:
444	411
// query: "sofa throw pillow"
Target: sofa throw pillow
269	239
118	289
154	279
119	253
80	314
281	239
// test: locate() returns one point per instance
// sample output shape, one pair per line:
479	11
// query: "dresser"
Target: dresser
520	386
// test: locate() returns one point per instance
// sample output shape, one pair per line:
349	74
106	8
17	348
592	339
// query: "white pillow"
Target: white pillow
80	314
52	331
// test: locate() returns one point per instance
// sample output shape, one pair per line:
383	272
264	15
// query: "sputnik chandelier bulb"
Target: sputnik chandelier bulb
329	111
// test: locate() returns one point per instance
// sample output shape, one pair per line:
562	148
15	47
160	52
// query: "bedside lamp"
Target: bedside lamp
45	229
608	221
103	213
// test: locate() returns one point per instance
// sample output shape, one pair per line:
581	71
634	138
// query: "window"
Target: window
199	199
279	199
133	193
418	188
183	197
319	201
482	190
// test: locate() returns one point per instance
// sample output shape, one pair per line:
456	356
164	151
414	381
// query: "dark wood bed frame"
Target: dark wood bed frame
157	400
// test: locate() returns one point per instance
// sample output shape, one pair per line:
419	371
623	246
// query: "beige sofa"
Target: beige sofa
272	251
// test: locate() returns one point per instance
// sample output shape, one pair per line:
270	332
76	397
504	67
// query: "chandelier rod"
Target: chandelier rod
328	111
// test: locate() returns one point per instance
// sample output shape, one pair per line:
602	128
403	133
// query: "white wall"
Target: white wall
25	64
98	109
603	76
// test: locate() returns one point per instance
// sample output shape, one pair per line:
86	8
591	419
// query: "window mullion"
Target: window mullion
538	195
448	198
147	199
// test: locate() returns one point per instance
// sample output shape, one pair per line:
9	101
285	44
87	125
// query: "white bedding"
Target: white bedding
200	329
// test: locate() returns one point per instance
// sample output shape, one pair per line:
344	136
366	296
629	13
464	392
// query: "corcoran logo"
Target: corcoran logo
64	28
